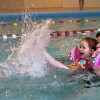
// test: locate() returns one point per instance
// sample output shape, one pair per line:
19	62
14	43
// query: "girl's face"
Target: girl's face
85	51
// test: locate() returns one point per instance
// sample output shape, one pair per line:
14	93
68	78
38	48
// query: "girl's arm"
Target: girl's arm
53	61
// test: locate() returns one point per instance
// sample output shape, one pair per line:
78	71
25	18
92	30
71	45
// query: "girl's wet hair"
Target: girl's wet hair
92	42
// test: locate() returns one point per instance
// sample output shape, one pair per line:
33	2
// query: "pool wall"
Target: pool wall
45	15
46	5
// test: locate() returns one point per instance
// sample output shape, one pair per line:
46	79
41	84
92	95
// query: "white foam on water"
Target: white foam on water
30	51
28	57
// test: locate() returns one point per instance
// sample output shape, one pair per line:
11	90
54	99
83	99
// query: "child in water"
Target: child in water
97	53
86	49
98	39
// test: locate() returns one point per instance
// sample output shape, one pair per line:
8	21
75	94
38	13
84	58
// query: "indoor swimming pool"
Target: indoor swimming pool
20	52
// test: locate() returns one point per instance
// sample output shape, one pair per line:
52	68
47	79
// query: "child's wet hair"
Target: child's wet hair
98	34
92	42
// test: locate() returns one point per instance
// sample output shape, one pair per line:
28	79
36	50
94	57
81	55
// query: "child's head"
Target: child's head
98	37
87	47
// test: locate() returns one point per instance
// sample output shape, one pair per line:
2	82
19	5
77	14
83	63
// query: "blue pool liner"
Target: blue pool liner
45	15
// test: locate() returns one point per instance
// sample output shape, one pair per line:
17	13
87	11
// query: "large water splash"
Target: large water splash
32	45
28	57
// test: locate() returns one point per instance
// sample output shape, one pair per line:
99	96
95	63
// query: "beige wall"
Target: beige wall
11	4
43	3
46	5
92	4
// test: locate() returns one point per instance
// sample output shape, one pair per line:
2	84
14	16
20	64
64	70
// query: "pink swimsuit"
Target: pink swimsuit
96	58
84	62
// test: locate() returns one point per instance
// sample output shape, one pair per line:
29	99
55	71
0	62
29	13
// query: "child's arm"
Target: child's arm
52	61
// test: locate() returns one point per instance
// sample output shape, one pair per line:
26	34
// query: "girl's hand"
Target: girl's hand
76	65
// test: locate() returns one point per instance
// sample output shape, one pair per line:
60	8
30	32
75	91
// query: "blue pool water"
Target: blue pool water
51	83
